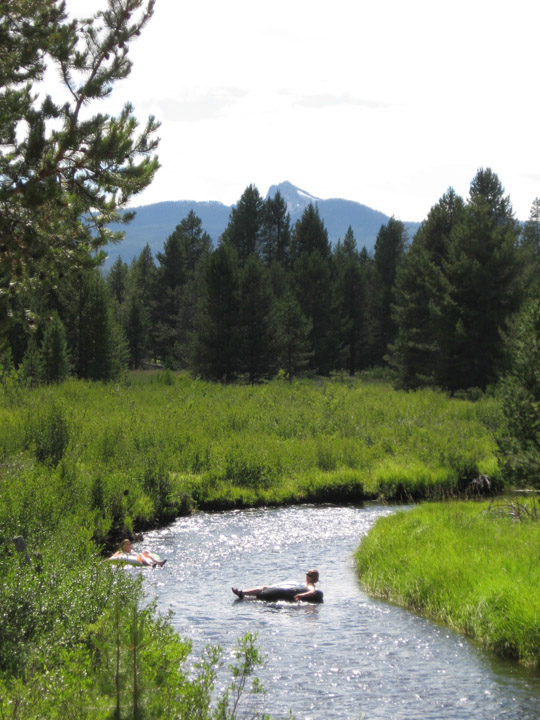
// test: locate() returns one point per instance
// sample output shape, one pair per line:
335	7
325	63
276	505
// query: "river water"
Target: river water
351	657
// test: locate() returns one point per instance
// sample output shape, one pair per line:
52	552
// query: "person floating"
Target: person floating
126	555
307	592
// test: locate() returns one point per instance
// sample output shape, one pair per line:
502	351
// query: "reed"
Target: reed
471	565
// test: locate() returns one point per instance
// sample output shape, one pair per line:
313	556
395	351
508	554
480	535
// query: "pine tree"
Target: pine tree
351	289
315	292
135	329
519	391
256	342
144	274
171	276
142	293
98	346
310	234
177	288
422	295
486	188
55	365
243	231
529	251
531	231
196	246
368	355
292	330
483	273
195	242
276	231
117	280
390	247
215	343
65	174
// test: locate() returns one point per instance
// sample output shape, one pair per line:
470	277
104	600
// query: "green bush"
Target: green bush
78	641
519	394
48	432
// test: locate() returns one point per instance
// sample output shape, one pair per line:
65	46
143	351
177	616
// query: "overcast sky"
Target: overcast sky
385	102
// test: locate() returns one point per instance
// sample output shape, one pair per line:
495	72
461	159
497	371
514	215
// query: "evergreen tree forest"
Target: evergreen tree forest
433	310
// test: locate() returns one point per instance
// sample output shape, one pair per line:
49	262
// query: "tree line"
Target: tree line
269	297
274	297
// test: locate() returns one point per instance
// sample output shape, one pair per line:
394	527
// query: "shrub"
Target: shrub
48	433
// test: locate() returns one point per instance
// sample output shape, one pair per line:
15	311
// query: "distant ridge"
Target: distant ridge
154	223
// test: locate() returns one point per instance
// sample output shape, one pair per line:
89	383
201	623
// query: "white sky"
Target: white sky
384	102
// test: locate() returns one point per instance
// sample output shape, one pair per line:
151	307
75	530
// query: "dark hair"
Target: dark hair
313	574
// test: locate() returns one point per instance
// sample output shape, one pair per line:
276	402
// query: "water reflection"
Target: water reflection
349	656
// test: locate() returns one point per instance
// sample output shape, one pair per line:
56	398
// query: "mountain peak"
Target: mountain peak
295	198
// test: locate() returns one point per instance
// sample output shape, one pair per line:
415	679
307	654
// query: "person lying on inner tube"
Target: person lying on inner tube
312	576
145	557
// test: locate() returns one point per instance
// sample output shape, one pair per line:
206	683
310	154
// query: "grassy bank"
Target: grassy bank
122	457
472	566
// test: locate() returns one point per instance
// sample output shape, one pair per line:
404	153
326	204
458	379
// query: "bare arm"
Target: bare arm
310	592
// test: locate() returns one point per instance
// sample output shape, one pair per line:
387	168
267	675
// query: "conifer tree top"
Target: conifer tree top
65	173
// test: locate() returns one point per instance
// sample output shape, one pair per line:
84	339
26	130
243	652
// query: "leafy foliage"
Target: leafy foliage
79	641
121	457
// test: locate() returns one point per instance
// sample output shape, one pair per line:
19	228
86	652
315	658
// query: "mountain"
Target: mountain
338	215
154	223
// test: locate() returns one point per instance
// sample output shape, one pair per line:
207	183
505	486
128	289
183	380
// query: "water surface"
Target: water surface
350	657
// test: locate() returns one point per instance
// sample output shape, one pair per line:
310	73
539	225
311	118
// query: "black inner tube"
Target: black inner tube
287	593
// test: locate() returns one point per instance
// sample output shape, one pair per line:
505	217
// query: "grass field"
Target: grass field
473	566
126	456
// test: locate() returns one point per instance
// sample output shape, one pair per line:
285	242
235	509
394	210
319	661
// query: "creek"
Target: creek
352	656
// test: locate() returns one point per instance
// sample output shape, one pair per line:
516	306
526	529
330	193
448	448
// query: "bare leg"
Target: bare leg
252	591
152	559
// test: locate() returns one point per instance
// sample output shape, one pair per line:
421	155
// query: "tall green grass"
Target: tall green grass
472	566
125	456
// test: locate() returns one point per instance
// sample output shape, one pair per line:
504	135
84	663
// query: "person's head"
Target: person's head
126	545
312	576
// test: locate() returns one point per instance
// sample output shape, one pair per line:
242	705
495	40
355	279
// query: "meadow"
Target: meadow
127	456
470	565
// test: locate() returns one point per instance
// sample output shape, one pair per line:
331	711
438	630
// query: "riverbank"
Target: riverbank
472	566
130	456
